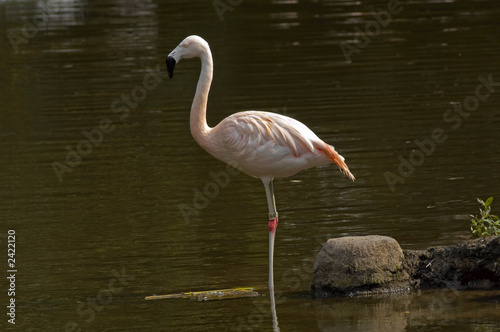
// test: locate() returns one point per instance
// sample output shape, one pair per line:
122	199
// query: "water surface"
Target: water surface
109	230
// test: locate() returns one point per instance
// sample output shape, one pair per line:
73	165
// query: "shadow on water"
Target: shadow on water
403	99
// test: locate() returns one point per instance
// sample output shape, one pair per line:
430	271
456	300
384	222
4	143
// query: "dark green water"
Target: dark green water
92	242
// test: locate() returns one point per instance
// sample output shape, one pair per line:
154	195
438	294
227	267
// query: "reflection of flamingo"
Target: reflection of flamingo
261	144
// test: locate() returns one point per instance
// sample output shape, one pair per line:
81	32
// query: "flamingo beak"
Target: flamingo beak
170	66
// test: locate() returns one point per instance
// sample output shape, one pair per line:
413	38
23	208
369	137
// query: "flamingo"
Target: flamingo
263	145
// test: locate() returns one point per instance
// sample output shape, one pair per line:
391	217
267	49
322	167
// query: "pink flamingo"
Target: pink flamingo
261	144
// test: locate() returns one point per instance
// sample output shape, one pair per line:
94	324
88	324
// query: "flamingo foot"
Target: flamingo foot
273	223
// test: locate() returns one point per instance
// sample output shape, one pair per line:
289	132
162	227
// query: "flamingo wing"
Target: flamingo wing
260	142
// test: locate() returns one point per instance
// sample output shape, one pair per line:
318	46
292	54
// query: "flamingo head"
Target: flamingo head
191	47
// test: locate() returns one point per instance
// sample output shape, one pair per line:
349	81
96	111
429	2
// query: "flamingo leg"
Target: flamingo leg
272	225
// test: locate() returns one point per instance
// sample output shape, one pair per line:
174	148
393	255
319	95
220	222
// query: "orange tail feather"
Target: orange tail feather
337	159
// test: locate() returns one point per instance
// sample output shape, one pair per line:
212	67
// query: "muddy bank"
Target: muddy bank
377	264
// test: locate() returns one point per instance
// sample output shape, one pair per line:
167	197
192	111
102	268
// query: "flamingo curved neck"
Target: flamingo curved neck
198	120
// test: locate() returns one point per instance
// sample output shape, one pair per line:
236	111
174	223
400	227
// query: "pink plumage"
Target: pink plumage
264	144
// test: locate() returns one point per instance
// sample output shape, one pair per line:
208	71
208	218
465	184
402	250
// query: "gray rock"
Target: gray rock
376	264
359	265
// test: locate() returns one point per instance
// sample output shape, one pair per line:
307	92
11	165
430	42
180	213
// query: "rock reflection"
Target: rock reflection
414	311
380	313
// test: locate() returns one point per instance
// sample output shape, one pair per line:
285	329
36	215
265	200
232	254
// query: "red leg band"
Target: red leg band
271	226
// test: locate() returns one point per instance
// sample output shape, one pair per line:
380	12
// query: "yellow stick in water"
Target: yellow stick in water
211	295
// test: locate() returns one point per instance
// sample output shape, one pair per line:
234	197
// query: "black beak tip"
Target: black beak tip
170	66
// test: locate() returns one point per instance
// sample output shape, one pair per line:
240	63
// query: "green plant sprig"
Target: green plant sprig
485	224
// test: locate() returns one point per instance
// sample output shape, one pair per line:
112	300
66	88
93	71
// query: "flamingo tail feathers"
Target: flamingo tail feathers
337	159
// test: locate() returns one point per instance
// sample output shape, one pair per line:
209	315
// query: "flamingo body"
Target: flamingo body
264	144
